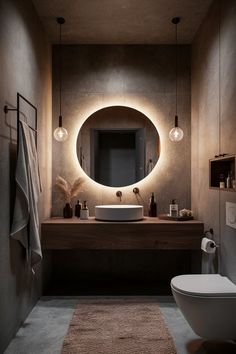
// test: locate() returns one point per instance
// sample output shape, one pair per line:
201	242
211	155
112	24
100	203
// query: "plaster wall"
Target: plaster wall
138	76
25	64
213	123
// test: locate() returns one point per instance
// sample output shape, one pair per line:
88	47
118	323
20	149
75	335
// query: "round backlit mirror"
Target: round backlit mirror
118	146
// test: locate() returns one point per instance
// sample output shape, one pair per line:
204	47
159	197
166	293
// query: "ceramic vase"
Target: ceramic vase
68	211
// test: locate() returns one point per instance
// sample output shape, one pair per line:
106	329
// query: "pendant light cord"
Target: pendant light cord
175	21
176	70
60	70
219	78
60	133
60	21
219	92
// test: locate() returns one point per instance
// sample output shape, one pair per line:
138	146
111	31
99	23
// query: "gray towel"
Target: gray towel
25	226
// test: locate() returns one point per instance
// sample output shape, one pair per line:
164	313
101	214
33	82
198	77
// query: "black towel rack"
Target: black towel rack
17	109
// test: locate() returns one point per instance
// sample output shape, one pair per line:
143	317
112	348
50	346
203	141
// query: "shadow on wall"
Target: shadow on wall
201	346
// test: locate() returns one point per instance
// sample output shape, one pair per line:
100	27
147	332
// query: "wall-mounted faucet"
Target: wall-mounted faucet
119	194
136	190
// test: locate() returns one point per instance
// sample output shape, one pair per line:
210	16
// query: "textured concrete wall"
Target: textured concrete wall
142	77
25	64
213	122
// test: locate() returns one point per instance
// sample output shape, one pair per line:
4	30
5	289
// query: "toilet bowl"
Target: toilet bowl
208	302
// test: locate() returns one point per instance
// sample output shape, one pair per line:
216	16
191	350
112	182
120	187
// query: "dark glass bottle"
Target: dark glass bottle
152	206
78	207
68	211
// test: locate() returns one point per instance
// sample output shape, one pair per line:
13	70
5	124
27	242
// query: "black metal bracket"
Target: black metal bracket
6	109
210	231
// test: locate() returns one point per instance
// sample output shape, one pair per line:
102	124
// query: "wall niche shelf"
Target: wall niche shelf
222	165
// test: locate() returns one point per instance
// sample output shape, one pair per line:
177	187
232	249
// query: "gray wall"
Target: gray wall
142	77
214	122
25	64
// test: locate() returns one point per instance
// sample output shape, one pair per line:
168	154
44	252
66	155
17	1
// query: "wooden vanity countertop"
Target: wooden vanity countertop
149	233
92	220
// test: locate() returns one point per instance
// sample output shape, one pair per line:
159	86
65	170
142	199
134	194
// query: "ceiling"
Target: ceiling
121	21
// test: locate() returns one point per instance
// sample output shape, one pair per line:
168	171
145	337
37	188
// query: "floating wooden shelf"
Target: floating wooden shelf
149	233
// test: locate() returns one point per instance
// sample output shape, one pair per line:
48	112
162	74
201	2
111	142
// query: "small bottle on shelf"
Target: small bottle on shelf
174	209
229	180
152	207
84	212
78	207
222	180
233	184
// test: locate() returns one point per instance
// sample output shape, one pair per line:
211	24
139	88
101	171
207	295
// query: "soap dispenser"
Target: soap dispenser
84	212
174	209
152	207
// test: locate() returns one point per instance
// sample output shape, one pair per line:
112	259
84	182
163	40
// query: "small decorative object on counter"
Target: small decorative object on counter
152	207
173	208
78	207
222	180
84	212
185	212
68	191
67	211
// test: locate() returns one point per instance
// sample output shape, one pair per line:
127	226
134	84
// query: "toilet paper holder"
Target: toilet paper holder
209	233
214	245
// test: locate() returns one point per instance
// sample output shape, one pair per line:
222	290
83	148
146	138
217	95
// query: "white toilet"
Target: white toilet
208	302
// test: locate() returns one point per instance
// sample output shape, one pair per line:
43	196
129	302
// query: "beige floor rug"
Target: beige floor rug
118	326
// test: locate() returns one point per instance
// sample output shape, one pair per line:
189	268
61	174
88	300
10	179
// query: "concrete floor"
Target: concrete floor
46	326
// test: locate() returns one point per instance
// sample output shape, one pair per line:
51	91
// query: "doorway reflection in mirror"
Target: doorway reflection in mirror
118	146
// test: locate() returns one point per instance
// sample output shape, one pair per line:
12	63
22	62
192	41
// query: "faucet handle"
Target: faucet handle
136	190
119	194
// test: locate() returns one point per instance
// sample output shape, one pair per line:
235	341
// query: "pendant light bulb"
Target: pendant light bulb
176	134
60	134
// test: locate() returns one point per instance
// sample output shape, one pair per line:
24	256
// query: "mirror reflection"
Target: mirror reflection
118	146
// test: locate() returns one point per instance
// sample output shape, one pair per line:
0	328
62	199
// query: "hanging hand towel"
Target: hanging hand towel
25	226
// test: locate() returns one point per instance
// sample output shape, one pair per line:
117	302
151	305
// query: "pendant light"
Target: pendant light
176	133
60	133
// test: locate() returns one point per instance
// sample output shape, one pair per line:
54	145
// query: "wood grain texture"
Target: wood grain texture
150	233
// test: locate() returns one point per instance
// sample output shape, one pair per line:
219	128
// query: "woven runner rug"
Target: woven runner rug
118	326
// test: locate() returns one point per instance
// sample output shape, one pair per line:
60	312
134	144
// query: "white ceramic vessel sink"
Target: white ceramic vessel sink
119	212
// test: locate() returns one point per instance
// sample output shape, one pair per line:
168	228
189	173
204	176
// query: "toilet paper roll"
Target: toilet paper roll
208	246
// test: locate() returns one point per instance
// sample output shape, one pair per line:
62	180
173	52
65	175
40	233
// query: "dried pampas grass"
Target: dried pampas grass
75	188
68	190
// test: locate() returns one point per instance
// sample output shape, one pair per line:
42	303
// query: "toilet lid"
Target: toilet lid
204	285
